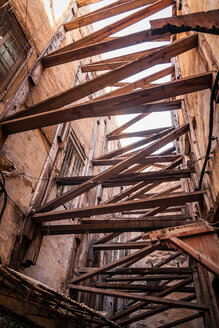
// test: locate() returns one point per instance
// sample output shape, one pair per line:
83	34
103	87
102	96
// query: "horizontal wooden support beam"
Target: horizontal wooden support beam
119	246
135	134
128	178
98	15
152	299
100	227
130	103
146	160
154	277
119	207
204	21
134	219
140	287
141	270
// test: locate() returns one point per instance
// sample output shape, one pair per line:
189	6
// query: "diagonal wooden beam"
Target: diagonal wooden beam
143	133
139	305
99	83
142	83
130	104
127	179
66	54
136	144
98	15
152	299
108	30
118	168
143	252
179	199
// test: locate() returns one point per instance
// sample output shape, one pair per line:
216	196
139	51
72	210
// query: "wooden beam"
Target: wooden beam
118	168
100	82
142	83
171	89
153	277
118	207
143	133
66	54
141	253
98	15
113	246
136	144
108	30
104	239
140	287
127	179
152	299
147	160
100	227
82	3
204	21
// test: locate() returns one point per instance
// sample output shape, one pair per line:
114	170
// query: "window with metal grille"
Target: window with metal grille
13	44
72	165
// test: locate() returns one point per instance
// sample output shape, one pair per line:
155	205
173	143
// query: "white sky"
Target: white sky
154	120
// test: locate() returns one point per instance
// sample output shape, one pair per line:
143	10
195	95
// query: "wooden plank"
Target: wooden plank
152	299
136	144
141	253
100	82
140	287
126	58
82	3
124	179
113	246
143	133
100	227
204	21
171	89
66	54
108	30
142	270
118	207
142	83
147	160
111	11
118	168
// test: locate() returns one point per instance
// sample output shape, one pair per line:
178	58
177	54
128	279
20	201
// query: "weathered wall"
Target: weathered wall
24	156
196	61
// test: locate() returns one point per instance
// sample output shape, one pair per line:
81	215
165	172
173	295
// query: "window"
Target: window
73	164
13	45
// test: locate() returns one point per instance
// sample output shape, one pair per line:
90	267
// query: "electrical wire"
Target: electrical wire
211	123
3	191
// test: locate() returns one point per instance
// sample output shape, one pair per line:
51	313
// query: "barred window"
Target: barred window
73	164
13	45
